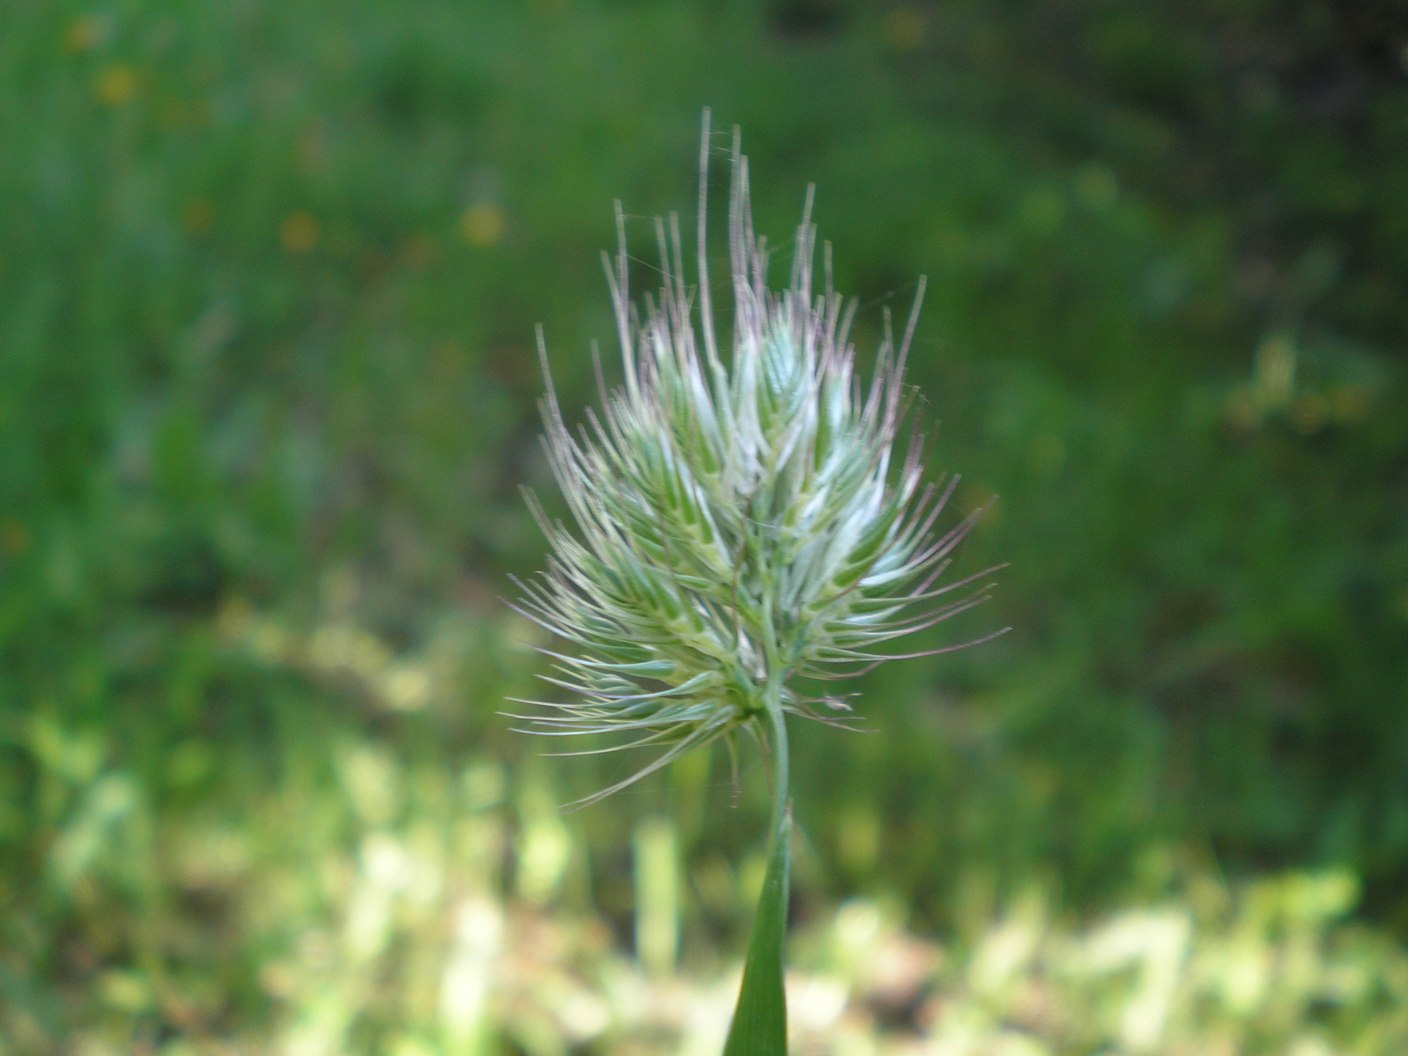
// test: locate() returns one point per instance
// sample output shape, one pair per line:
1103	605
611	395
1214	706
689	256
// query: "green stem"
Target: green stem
760	1021
781	782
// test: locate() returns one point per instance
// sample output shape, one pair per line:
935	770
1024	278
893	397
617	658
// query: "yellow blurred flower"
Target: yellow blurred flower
14	536
483	224
197	215
82	34
903	29
115	84
1349	403
299	232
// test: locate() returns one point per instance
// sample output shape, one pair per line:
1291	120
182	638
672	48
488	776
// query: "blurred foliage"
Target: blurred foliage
268	281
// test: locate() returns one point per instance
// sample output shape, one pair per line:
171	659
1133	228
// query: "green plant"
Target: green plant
744	533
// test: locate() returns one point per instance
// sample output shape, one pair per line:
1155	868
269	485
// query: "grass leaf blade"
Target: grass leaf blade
760	1020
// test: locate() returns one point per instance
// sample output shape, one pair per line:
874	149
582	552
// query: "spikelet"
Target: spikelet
739	522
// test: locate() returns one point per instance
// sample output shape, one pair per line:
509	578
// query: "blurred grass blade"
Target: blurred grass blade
760	1020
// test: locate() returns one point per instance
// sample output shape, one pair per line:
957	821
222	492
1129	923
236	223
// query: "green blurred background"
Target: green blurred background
269	275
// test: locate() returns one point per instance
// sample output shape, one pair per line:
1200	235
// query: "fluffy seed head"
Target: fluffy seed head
741	522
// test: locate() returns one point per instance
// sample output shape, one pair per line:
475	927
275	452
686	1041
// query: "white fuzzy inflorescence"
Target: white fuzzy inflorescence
741	523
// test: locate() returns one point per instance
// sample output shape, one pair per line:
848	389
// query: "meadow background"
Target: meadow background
269	276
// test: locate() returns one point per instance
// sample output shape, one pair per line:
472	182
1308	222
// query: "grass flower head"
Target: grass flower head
744	524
